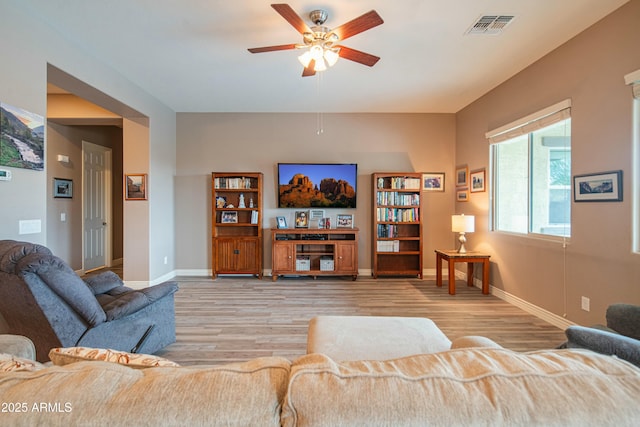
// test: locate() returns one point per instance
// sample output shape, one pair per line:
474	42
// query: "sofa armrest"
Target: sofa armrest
133	301
104	282
473	341
604	342
624	319
17	345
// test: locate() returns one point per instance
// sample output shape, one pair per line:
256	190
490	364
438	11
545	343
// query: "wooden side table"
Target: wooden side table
470	258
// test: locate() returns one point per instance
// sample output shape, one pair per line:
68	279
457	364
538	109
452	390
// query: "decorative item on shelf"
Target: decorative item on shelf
221	202
302	219
462	224
281	222
229	217
251	205
241	201
254	217
344	221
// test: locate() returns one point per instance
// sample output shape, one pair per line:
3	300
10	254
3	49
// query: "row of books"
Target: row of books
398	214
390	198
388	246
232	183
402	183
387	230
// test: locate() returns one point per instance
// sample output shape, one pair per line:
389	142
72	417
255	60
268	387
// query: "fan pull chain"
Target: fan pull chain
319	116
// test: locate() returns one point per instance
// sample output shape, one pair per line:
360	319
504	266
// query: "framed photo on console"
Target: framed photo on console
281	222
344	221
302	219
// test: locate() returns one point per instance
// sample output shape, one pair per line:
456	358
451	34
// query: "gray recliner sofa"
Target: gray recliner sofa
42	298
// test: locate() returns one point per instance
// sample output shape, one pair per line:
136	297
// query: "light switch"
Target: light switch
63	217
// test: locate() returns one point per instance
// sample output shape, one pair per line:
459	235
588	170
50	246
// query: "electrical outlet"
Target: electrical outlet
585	303
166	260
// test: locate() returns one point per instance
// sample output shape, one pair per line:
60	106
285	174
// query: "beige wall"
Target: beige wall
210	142
598	262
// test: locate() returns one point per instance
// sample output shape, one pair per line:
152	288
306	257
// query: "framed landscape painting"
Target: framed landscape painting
433	181
21	138
598	187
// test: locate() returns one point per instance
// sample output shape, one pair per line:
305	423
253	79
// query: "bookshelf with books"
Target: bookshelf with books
397	224
236	223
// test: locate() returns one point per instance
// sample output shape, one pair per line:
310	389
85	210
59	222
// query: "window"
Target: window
531	174
633	80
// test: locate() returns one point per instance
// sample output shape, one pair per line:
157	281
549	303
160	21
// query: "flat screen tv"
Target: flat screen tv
317	185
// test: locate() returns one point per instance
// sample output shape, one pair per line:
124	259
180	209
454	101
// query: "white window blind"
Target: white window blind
540	119
633	79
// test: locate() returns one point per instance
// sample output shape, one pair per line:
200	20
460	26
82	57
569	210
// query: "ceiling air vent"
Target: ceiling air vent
490	24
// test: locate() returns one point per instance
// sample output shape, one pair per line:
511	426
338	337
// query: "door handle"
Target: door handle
104	223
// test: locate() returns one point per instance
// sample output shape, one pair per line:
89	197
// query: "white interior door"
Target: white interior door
96	206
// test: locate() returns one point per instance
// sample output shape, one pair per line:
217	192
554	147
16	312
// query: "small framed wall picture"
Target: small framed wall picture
462	176
462	195
135	186
62	188
433	181
229	217
281	222
598	187
478	179
302	219
344	221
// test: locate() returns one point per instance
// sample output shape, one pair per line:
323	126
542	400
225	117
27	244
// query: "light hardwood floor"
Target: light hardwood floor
238	318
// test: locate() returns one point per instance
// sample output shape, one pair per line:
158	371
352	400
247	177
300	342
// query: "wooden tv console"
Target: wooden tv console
314	252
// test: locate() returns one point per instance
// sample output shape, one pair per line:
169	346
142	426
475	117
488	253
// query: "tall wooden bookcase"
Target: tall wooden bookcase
236	223
397	224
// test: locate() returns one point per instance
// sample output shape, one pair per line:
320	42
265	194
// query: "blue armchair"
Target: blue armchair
42	298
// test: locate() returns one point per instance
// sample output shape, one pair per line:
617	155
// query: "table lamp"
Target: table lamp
462	224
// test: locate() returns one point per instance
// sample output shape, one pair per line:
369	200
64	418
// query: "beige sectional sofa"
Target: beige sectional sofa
466	386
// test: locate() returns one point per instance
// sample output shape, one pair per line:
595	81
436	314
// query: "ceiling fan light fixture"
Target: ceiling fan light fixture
320	65
331	56
305	59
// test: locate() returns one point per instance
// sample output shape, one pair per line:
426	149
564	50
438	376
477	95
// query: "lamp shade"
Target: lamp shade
462	223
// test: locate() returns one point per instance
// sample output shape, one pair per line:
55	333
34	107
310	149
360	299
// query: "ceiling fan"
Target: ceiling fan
321	43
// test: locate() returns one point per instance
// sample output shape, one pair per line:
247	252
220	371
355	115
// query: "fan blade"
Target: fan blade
357	56
362	23
310	69
272	48
291	17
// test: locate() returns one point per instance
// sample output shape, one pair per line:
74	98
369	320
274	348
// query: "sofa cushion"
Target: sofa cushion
103	282
101	393
62	280
65	356
487	386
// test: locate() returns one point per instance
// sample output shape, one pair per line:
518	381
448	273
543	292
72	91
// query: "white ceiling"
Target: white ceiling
192	54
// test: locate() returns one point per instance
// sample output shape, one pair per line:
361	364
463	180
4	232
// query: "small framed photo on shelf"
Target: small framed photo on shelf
344	221
478	179
135	186
302	219
324	223
221	202
462	195
281	222
229	217
598	187
462	176
62	188
433	181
